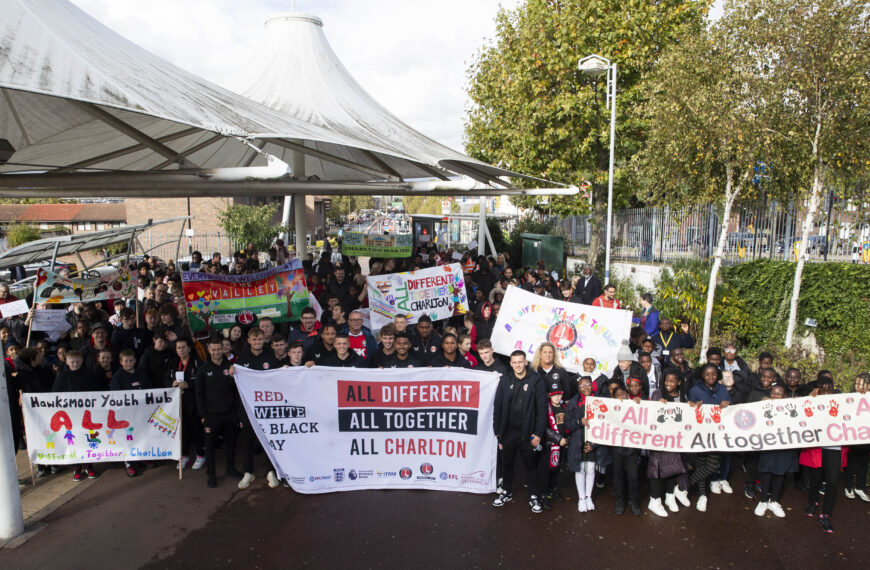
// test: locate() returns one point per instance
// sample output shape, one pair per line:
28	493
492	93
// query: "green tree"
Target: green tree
246	224
704	138
812	59
19	233
534	112
422	204
343	205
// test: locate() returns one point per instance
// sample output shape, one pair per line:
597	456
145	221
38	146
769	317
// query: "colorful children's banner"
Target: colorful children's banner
578	331
341	429
839	419
376	245
66	428
54	288
438	292
219	301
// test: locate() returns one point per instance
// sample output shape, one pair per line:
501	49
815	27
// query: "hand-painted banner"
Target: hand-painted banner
65	428
220	301
839	419
327	429
54	288
376	245
438	292
578	331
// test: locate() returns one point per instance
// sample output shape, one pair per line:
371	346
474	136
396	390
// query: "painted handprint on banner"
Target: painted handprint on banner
834	409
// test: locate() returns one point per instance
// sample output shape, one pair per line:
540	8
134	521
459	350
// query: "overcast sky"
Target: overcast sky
410	55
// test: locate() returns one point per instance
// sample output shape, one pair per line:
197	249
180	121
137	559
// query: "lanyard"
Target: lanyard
184	367
667	342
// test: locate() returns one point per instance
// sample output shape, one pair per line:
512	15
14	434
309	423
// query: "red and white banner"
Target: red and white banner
341	429
835	420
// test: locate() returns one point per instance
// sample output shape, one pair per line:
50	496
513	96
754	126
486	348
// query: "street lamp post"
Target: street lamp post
596	65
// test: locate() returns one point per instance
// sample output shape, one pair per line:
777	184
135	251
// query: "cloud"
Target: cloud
410	55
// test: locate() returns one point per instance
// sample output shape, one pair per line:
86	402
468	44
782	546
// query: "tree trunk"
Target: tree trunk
730	196
599	223
809	222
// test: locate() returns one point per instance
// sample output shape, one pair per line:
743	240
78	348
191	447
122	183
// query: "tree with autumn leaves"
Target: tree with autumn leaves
532	111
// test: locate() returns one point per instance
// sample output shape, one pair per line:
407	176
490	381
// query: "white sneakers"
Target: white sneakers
715	487
655	506
772	506
682	496
246	481
581	505
701	505
862	495
671	502
590	506
185	460
199	463
272	479
776	509
850	493
726	488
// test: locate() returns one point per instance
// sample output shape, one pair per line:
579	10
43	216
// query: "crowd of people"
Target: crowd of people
539	413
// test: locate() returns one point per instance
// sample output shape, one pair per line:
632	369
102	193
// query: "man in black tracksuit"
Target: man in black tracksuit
255	357
218	403
520	421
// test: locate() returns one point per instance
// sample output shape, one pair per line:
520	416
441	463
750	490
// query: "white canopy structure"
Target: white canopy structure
77	98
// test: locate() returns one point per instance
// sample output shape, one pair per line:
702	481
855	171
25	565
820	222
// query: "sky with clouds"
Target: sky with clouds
410	55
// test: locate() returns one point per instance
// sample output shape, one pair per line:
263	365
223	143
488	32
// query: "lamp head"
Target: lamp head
594	65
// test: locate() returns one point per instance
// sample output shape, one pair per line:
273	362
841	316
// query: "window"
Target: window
101	226
88	226
80	226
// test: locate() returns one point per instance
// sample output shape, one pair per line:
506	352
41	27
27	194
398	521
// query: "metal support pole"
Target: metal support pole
11	516
611	86
300	208
481	227
285	218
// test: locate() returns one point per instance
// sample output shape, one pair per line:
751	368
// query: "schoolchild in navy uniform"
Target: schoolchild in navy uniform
555	443
581	454
625	467
772	467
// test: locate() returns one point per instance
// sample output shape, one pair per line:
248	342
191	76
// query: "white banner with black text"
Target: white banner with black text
340	429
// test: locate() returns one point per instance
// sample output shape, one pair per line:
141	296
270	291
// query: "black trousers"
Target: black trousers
625	468
192	432
830	473
250	446
856	468
705	465
224	425
659	487
750	463
512	444
771	486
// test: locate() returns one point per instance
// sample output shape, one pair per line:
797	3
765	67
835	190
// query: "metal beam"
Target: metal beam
132	132
374	158
125	151
189	151
379	174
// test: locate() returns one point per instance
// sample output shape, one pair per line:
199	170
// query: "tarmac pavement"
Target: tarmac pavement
157	521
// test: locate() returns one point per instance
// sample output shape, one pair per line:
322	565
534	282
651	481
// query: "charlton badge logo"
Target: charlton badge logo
563	335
